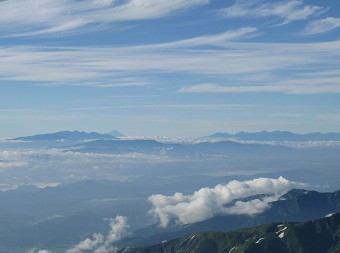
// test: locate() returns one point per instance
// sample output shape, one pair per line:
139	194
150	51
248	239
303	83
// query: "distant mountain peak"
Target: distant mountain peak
116	133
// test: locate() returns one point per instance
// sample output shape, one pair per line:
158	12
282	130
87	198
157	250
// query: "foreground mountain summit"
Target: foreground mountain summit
319	236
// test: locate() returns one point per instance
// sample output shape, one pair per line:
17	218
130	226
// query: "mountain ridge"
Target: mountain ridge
315	236
278	136
67	135
295	206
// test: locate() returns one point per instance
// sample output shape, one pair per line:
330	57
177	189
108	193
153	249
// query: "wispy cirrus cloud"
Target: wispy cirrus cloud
298	88
106	66
44	17
321	26
219	40
329	117
165	106
287	11
211	55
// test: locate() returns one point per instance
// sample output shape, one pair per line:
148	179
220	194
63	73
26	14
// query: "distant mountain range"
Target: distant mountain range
318	236
296	205
256	136
70	136
278	136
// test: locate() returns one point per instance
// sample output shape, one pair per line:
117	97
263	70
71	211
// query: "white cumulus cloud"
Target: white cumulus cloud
38	251
207	202
103	244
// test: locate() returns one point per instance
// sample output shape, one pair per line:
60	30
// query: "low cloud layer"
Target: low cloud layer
101	244
50	167
208	202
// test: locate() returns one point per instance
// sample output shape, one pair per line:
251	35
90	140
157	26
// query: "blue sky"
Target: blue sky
178	68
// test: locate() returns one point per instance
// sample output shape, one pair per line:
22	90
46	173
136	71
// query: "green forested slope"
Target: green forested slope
319	236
